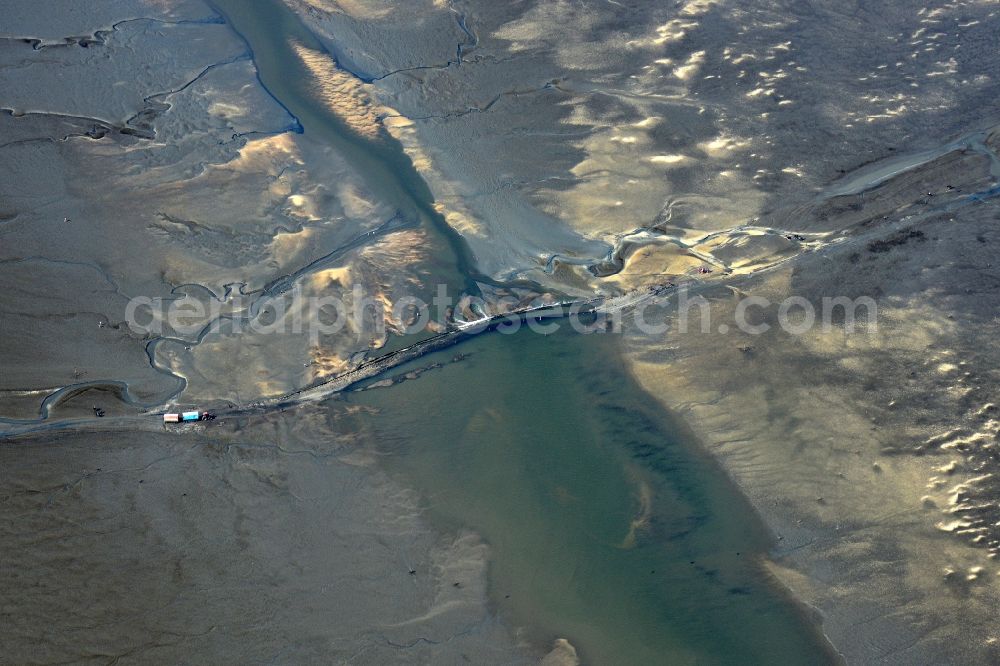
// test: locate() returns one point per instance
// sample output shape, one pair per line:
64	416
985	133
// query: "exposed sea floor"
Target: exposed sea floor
638	550
693	496
265	541
513	518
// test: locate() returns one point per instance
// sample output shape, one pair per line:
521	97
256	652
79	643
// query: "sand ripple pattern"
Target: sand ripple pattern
341	93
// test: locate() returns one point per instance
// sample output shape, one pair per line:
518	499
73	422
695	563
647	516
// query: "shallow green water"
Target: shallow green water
604	528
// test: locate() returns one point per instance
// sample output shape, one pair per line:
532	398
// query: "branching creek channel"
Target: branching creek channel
607	524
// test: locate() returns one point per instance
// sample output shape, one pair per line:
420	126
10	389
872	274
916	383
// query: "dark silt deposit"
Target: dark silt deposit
374	493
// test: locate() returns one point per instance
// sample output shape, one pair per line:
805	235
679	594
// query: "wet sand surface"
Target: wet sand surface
281	538
267	541
871	455
526	497
809	150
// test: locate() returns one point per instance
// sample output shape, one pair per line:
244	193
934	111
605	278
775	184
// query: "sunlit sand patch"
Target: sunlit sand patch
323	279
620	180
733	58
644	499
563	654
654	264
405	248
668	159
404	130
355	200
310	201
326	360
915	326
266	212
673	31
288	352
945	68
449	201
723	146
690	66
342	93
534	27
533	30
697	7
727	203
914	329
303	207
285	351
612	172
460	218
368	9
747	250
286	247
324	363
887	113
670	32
236	368
762	91
265	154
226	110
